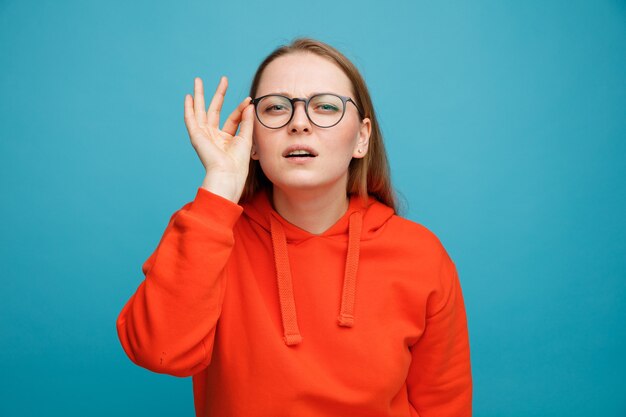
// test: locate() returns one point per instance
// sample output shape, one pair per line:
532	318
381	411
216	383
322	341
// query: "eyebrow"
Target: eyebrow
284	93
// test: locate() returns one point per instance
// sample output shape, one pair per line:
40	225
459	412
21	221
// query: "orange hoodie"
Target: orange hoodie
365	319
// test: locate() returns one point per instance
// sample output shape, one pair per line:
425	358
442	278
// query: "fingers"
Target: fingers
231	124
213	115
190	118
198	101
247	123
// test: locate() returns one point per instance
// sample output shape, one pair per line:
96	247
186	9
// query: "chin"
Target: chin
298	185
303	180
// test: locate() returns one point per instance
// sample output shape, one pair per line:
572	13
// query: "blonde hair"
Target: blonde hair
366	176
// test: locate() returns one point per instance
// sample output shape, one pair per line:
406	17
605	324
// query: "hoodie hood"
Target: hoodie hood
362	221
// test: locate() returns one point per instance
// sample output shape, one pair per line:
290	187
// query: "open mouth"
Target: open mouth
300	154
299	151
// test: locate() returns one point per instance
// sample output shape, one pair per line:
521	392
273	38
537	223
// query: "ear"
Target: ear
362	143
254	154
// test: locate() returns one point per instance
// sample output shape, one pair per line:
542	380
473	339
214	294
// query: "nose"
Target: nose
299	122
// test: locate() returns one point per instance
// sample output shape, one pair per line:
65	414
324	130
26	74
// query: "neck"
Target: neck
312	210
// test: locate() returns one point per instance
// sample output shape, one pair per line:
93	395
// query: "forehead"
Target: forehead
303	74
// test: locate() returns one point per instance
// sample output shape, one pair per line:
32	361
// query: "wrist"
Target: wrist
224	185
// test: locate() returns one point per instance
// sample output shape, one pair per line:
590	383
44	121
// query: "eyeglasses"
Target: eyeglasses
323	110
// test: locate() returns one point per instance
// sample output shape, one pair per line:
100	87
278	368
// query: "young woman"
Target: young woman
289	286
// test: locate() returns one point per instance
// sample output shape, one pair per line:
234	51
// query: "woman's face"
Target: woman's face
302	75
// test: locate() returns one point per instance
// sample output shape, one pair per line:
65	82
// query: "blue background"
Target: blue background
505	127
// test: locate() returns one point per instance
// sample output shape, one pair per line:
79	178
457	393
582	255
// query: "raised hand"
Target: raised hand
224	154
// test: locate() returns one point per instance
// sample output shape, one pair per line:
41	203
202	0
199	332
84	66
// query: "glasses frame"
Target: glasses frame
306	101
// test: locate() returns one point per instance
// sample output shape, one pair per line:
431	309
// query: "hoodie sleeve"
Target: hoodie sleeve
439	381
168	324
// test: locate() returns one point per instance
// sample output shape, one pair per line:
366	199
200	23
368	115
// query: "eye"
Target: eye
328	107
275	107
326	104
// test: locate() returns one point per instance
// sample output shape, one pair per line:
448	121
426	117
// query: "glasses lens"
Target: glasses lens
325	109
274	111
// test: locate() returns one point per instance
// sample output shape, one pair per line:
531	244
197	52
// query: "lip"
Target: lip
297	148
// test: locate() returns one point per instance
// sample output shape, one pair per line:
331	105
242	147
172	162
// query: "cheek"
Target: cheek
256	131
261	138
342	141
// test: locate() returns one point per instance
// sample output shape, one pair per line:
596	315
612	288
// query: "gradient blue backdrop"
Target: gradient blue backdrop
506	130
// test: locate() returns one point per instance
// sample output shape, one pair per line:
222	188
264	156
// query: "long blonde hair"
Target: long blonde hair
366	176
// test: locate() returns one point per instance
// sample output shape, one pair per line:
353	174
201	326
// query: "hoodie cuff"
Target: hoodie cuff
220	209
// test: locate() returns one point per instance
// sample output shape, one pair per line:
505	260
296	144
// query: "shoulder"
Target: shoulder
431	262
415	235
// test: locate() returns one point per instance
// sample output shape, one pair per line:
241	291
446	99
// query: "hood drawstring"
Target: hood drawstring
346	315
285	289
286	299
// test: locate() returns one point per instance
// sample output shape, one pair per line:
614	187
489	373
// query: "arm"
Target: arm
439	380
168	325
